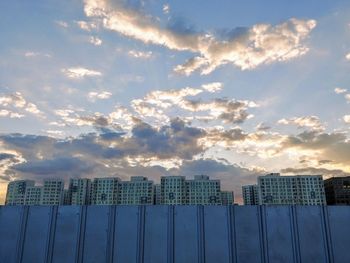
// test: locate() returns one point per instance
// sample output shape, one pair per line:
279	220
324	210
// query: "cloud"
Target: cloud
166	9
103	95
80	72
87	26
62	23
312	122
347	97
140	54
346	118
213	87
347	56
13	115
18	102
314	170
95	41
30	54
258	45
340	90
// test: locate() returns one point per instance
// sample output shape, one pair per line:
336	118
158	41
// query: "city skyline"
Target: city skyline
104	88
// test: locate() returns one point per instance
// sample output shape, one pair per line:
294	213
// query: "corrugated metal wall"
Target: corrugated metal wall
174	234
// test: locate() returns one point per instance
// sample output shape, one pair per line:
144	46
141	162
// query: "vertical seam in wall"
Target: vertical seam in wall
81	234
201	237
262	234
327	240
52	231
170	254
110	234
296	234
291	228
141	233
230	238
21	238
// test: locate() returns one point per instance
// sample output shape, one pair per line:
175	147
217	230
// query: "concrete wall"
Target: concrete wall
174	234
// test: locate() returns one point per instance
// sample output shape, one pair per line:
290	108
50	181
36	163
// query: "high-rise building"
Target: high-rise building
137	191
66	197
157	194
79	191
202	190
33	195
16	191
291	190
104	191
173	190
250	194
52	193
337	190
227	198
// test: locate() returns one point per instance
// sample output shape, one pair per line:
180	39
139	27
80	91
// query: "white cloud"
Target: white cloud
62	23
347	97
212	87
340	90
140	54
17	101
258	45
80	72
7	113
166	9
347	56
346	118
312	122
93	95
87	26
95	41
30	54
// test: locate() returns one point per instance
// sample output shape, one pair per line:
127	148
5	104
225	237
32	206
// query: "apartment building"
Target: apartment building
52	192
250	194
79	191
16	192
202	190
104	191
137	191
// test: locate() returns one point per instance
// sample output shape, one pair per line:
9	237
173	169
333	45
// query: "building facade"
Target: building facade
157	194
337	190
79	191
291	190
33	195
52	192
104	191
137	191
202	190
250	194
227	198
173	190
16	191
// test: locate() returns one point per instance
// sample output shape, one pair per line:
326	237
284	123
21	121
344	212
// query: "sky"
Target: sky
231	89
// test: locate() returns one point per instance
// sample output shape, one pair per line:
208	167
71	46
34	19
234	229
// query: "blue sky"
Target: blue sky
232	89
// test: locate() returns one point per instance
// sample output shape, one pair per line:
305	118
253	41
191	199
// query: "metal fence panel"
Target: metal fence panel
126	235
37	234
67	233
247	234
156	234
312	241
216	234
96	234
339	226
10	232
279	235
186	234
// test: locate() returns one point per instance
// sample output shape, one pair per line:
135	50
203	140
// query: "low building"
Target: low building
337	190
